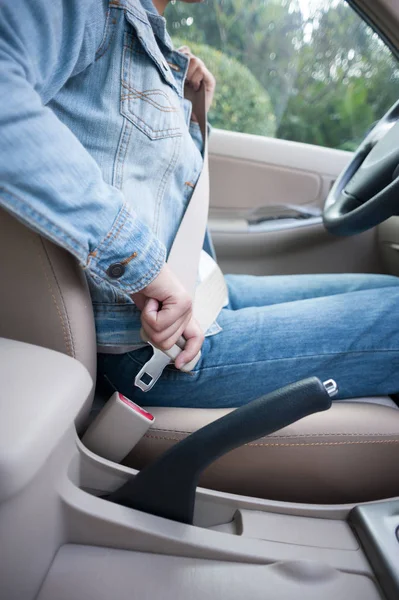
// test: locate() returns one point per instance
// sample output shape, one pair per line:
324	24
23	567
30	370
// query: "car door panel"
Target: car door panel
267	197
257	170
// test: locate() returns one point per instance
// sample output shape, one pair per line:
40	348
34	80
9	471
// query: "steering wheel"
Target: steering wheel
367	192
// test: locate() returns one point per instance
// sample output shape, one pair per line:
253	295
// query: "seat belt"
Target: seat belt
184	258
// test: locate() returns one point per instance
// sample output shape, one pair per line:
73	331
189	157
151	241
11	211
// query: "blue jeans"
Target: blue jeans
277	330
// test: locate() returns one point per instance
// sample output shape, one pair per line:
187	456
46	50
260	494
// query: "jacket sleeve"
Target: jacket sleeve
47	178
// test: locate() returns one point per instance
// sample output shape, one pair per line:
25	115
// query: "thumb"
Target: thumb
151	309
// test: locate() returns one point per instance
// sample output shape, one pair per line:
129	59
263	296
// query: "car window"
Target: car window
305	70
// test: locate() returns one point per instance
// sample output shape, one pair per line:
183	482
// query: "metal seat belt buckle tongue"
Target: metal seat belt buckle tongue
153	368
184	257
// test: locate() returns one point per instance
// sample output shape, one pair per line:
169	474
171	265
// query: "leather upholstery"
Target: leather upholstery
347	454
44	297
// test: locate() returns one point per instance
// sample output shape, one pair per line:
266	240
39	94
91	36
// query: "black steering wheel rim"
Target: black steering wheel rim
367	191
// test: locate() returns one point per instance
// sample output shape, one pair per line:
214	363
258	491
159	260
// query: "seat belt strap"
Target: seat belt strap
210	294
184	255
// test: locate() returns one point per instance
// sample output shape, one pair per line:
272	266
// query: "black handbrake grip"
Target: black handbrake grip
167	486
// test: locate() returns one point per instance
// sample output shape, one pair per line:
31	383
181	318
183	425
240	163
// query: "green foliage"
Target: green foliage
241	103
327	74
260	34
346	80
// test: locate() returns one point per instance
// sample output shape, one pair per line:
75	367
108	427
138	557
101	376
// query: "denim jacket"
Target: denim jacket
97	150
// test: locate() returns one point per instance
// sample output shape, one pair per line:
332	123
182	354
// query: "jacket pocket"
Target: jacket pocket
147	99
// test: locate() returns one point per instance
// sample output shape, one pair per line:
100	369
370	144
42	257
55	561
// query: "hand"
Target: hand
198	73
166	314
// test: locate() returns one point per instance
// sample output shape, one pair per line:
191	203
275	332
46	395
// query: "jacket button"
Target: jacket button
116	270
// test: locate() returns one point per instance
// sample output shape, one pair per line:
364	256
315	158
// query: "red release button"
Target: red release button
136	408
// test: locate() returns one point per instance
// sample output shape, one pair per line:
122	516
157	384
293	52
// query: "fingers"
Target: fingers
195	339
196	73
166	314
185	50
164	338
164	325
197	70
172	310
150	309
197	77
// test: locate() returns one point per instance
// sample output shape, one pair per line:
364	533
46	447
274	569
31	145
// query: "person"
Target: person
100	151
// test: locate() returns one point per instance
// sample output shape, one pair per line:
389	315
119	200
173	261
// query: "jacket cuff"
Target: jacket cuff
129	257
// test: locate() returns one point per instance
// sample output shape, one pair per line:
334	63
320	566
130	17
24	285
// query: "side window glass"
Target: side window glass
310	71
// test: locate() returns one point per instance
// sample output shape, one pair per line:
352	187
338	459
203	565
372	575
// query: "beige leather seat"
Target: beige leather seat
350	453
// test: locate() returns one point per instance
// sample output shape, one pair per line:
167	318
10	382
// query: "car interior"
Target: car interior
309	510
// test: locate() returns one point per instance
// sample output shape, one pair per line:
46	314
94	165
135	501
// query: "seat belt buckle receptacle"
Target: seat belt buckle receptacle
118	428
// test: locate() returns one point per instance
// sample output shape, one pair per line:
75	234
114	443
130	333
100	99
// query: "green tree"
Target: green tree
262	35
346	80
241	103
328	75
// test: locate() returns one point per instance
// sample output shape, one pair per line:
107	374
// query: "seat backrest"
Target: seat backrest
44	298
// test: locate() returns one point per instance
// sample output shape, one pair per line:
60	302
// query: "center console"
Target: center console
377	527
61	538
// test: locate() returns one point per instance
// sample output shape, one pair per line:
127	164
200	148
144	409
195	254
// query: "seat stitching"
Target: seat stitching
341	443
346	443
70	337
299	435
61	318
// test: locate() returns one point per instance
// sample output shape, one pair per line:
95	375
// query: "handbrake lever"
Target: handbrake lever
167	486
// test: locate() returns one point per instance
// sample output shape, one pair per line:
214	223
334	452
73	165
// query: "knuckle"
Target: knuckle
157	338
165	345
187	304
186	50
157	327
